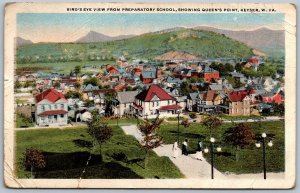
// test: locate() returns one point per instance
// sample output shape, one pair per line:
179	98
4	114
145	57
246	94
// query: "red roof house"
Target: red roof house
155	101
51	108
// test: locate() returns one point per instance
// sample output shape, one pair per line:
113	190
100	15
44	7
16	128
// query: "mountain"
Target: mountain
95	37
199	43
263	39
21	42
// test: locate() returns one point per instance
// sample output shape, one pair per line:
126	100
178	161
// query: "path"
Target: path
190	166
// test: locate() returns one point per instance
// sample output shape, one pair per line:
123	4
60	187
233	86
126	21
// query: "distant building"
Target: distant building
149	75
51	108
209	74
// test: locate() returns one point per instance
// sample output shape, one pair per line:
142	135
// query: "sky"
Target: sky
68	27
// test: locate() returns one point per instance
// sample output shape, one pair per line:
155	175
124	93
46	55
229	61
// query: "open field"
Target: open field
249	158
62	67
67	151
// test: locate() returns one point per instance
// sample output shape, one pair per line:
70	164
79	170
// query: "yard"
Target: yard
249	158
67	151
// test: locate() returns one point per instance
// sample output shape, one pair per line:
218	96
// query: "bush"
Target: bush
193	115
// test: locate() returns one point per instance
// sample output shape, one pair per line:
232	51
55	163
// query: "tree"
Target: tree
18	84
150	138
33	160
184	88
212	122
109	97
72	94
71	72
99	131
93	81
77	70
238	67
239	136
228	68
77	85
56	85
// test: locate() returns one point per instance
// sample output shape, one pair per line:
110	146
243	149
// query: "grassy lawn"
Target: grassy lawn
175	119
234	118
67	151
120	121
249	158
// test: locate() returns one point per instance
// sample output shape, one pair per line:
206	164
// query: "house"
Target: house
149	75
51	108
112	70
207	101
68	83
237	103
191	101
271	97
137	71
185	73
209	74
119	87
172	82
123	102
154	100
252	63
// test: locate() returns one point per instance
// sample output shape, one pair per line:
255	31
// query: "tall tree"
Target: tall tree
99	131
212	122
109	97
93	81
150	138
239	136
238	67
77	70
33	160
185	88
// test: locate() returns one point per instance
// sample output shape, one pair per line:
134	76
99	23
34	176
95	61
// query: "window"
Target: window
49	107
62	106
125	105
152	104
43	108
168	102
157	103
55	106
62	115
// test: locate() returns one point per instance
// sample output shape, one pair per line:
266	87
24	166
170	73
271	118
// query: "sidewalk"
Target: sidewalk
190	166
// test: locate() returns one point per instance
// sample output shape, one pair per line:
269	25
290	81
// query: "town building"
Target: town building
154	100
51	108
123	102
209	74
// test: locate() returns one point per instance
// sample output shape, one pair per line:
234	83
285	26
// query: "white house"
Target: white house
51	108
154	100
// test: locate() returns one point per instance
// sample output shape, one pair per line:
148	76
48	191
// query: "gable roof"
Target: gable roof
237	96
216	87
127	97
51	95
154	90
